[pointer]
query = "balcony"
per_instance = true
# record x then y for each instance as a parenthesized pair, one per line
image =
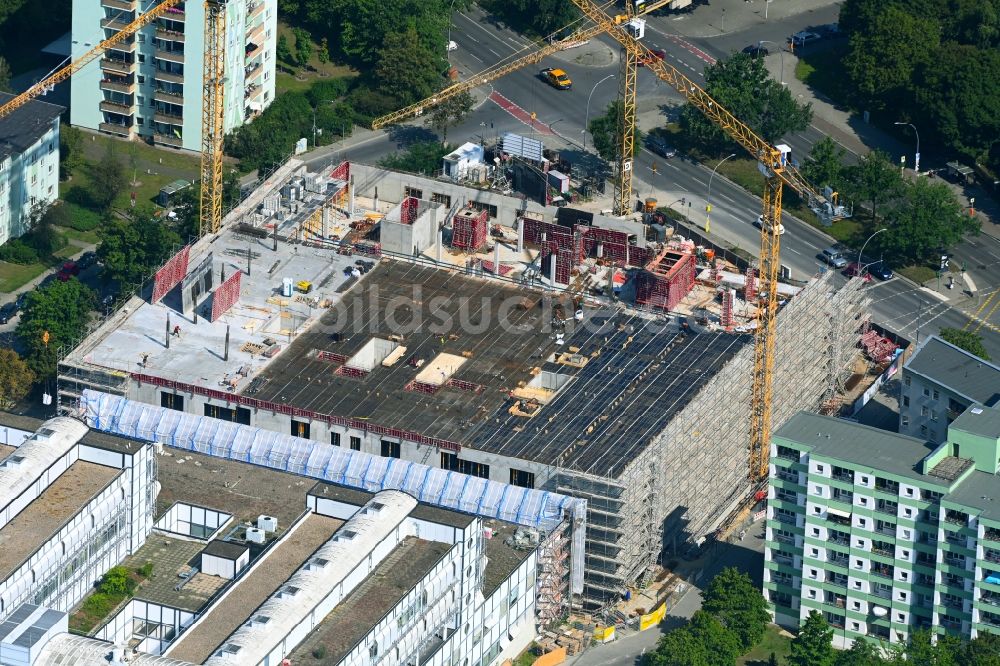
(117, 24)
(882, 593)
(884, 552)
(116, 66)
(784, 518)
(255, 35)
(839, 561)
(168, 77)
(990, 598)
(121, 5)
(252, 49)
(112, 128)
(116, 107)
(990, 619)
(174, 14)
(890, 508)
(170, 56)
(119, 85)
(255, 9)
(952, 603)
(956, 539)
(784, 559)
(785, 538)
(253, 90)
(168, 139)
(888, 530)
(846, 477)
(991, 556)
(127, 46)
(956, 518)
(168, 118)
(882, 571)
(786, 453)
(839, 540)
(168, 97)
(992, 534)
(169, 35)
(252, 72)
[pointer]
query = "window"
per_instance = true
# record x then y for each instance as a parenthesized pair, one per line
(934, 415)
(927, 392)
(923, 431)
(923, 411)
(492, 210)
(300, 429)
(373, 650)
(237, 415)
(937, 396)
(821, 469)
(452, 462)
(906, 401)
(141, 100)
(335, 438)
(142, 79)
(855, 626)
(905, 421)
(907, 380)
(390, 449)
(441, 199)
(355, 443)
(413, 192)
(172, 401)
(521, 478)
(140, 121)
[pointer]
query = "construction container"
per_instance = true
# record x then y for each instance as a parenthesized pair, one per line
(286, 287)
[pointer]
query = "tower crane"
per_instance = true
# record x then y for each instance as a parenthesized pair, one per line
(777, 171)
(627, 91)
(212, 106)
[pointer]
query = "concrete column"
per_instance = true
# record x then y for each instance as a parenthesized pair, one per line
(496, 258)
(440, 242)
(325, 222)
(520, 235)
(600, 250)
(552, 269)
(350, 198)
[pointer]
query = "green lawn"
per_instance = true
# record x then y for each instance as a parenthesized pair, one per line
(89, 237)
(300, 79)
(744, 172)
(14, 276)
(774, 641)
(822, 71)
(918, 274)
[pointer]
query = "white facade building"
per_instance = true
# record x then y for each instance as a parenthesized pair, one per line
(29, 164)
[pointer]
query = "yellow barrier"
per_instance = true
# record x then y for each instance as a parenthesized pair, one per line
(654, 618)
(557, 656)
(605, 635)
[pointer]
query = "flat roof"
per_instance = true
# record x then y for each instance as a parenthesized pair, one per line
(502, 558)
(422, 511)
(980, 490)
(957, 369)
(170, 557)
(197, 644)
(6, 451)
(979, 420)
(26, 125)
(859, 444)
(238, 488)
(225, 549)
(44, 516)
(642, 363)
(351, 620)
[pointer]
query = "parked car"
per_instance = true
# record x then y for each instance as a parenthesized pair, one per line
(556, 78)
(804, 37)
(657, 54)
(21, 301)
(658, 145)
(7, 312)
(854, 269)
(759, 223)
(829, 30)
(756, 50)
(86, 260)
(881, 271)
(833, 257)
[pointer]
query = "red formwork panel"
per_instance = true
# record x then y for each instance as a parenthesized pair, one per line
(533, 230)
(469, 229)
(408, 210)
(226, 295)
(638, 256)
(666, 280)
(171, 273)
(342, 172)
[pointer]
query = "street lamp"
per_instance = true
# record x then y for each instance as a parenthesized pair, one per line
(447, 47)
(916, 159)
(587, 121)
(781, 56)
(708, 199)
(862, 251)
(322, 101)
(553, 123)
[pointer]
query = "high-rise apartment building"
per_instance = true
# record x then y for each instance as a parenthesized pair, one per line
(150, 85)
(939, 382)
(29, 164)
(884, 533)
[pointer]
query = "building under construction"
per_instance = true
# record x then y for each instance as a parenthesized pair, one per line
(641, 413)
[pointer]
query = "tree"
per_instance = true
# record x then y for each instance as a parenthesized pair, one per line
(70, 150)
(925, 220)
(873, 181)
(537, 18)
(883, 57)
(814, 644)
(323, 53)
(983, 650)
(132, 249)
(739, 605)
(825, 164)
(702, 641)
(303, 46)
(450, 112)
(107, 179)
(282, 52)
(116, 581)
(862, 653)
(678, 648)
(16, 378)
(421, 157)
(406, 69)
(922, 650)
(4, 75)
(61, 310)
(967, 340)
(743, 86)
(607, 132)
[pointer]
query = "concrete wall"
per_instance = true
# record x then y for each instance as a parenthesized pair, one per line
(923, 407)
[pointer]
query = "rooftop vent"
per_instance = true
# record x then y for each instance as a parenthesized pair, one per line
(288, 591)
(977, 410)
(346, 535)
(231, 648)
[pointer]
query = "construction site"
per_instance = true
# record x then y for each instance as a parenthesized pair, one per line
(463, 329)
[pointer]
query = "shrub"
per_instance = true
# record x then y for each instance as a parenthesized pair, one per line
(117, 582)
(98, 604)
(319, 651)
(17, 251)
(329, 89)
(80, 218)
(146, 570)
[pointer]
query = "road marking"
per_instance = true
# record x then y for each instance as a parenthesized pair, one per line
(519, 113)
(792, 249)
(935, 294)
(700, 182)
(477, 24)
(493, 52)
(473, 38)
(477, 57)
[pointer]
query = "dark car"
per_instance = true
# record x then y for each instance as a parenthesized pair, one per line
(7, 312)
(86, 260)
(881, 271)
(22, 300)
(854, 269)
(658, 145)
(756, 51)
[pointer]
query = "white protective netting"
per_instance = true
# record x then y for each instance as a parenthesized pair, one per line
(538, 509)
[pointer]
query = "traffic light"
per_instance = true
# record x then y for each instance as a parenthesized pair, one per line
(944, 261)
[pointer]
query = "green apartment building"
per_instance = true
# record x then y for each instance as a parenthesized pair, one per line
(883, 533)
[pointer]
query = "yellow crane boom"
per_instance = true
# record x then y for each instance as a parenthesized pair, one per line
(776, 172)
(69, 70)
